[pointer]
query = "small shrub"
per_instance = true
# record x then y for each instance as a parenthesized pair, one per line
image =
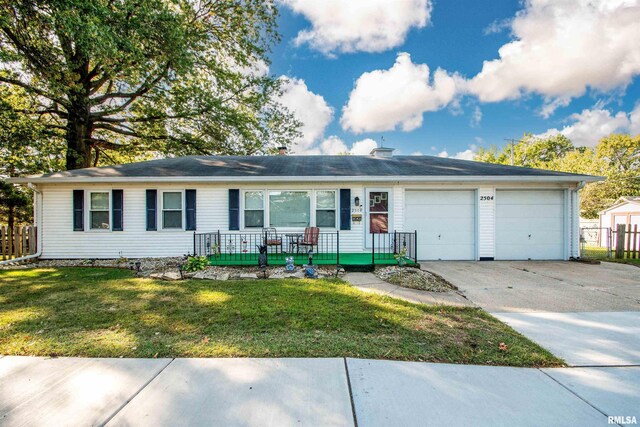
(401, 257)
(195, 263)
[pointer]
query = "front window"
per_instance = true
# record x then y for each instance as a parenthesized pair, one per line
(172, 209)
(378, 212)
(289, 209)
(99, 211)
(326, 208)
(254, 209)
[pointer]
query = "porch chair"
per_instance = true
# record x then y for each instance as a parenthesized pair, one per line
(309, 239)
(271, 238)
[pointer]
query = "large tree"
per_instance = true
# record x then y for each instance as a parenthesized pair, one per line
(616, 157)
(27, 146)
(167, 77)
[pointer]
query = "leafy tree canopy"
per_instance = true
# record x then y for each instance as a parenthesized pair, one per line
(616, 157)
(144, 78)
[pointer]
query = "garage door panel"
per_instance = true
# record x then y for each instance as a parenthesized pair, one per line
(446, 252)
(459, 212)
(447, 226)
(530, 224)
(541, 211)
(445, 221)
(443, 238)
(518, 251)
(523, 197)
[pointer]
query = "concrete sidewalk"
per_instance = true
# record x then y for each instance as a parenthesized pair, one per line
(369, 282)
(284, 392)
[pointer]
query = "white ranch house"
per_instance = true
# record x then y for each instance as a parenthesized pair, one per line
(459, 210)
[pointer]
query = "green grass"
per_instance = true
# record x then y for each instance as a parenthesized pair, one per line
(110, 313)
(599, 253)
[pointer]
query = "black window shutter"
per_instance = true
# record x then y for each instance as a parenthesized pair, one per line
(152, 206)
(190, 199)
(345, 209)
(78, 210)
(116, 210)
(234, 209)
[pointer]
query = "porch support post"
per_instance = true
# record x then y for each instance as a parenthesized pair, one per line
(373, 249)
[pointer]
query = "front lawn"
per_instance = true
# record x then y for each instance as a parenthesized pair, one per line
(601, 254)
(110, 313)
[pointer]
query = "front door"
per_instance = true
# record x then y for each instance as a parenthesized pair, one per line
(378, 213)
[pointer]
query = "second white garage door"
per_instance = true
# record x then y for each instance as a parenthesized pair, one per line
(445, 221)
(529, 224)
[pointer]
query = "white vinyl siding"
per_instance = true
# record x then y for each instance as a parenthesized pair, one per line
(486, 222)
(58, 240)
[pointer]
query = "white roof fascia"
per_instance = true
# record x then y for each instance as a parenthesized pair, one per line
(204, 179)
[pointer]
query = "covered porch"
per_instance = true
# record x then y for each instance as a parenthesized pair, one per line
(242, 248)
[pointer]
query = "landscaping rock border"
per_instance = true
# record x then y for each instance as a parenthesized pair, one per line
(169, 269)
(414, 278)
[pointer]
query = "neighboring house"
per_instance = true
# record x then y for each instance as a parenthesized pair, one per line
(626, 210)
(461, 210)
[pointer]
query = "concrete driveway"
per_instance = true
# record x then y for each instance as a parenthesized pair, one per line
(587, 314)
(543, 286)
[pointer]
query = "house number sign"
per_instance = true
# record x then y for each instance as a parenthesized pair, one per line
(486, 198)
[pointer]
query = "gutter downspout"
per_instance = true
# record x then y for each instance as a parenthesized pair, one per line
(579, 187)
(37, 218)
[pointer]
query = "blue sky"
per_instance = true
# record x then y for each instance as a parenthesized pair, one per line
(566, 66)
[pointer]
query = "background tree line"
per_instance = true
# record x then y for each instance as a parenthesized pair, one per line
(98, 82)
(616, 157)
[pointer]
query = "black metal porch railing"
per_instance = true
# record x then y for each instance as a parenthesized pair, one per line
(388, 246)
(241, 248)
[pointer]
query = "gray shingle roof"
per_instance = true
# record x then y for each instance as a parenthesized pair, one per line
(308, 166)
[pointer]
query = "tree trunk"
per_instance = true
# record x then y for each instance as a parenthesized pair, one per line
(11, 217)
(79, 131)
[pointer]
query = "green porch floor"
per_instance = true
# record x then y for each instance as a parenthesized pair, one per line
(349, 258)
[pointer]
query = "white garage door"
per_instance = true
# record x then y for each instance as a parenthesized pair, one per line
(445, 221)
(529, 224)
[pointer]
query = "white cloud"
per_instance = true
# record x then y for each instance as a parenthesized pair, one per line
(310, 109)
(476, 117)
(386, 99)
(589, 126)
(333, 145)
(561, 48)
(634, 120)
(467, 154)
(363, 147)
(358, 25)
(497, 26)
(417, 153)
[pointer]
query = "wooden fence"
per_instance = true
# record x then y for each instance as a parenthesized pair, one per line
(17, 241)
(627, 241)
